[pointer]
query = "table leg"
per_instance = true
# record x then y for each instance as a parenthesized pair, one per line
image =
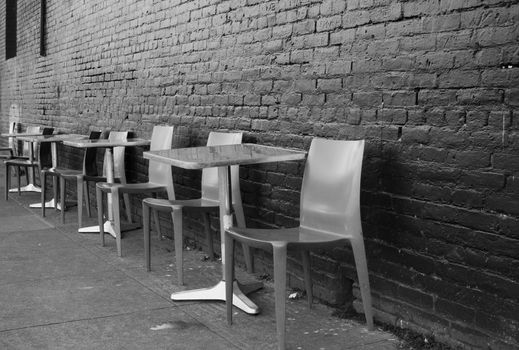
(48, 204)
(31, 187)
(51, 203)
(217, 292)
(108, 225)
(110, 180)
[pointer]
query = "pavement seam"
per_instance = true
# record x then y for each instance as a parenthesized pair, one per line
(82, 319)
(187, 313)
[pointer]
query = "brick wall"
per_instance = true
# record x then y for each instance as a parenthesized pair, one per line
(430, 84)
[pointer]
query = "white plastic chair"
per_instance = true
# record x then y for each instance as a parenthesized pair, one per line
(160, 180)
(207, 203)
(329, 216)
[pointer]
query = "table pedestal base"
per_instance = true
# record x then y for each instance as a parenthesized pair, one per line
(217, 292)
(27, 188)
(108, 227)
(49, 204)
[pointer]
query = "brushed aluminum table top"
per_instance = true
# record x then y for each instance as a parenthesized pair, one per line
(52, 138)
(105, 143)
(224, 155)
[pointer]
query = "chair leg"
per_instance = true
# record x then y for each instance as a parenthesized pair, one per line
(99, 199)
(43, 180)
(7, 182)
(79, 190)
(146, 229)
(33, 171)
(54, 189)
(229, 275)
(157, 223)
(280, 286)
(27, 175)
(19, 192)
(62, 188)
(86, 192)
(156, 219)
(127, 207)
(208, 236)
(179, 243)
(38, 172)
(359, 254)
(308, 277)
(117, 221)
(247, 251)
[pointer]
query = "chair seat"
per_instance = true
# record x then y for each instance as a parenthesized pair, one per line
(290, 236)
(95, 178)
(129, 188)
(21, 162)
(10, 157)
(7, 149)
(64, 171)
(202, 203)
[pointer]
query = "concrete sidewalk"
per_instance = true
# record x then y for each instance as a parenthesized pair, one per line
(60, 289)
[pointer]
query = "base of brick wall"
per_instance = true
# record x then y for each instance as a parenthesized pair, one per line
(452, 333)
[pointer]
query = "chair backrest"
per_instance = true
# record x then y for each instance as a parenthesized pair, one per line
(44, 151)
(13, 127)
(330, 194)
(26, 145)
(47, 131)
(90, 156)
(160, 173)
(210, 175)
(118, 155)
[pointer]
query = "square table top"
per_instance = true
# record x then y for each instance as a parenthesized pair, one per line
(105, 143)
(20, 134)
(224, 155)
(52, 138)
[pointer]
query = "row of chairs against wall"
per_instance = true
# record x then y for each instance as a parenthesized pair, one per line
(160, 180)
(330, 208)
